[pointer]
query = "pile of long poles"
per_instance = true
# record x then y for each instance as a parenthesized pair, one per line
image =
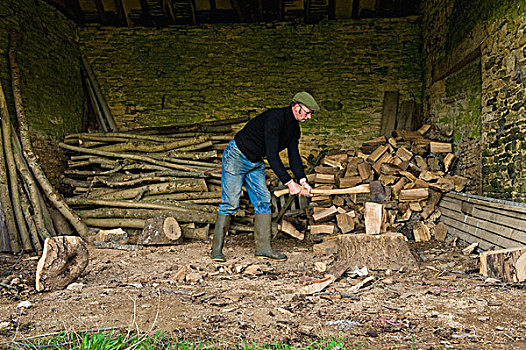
(27, 220)
(122, 179)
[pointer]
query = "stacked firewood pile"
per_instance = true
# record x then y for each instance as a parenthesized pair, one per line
(166, 177)
(397, 183)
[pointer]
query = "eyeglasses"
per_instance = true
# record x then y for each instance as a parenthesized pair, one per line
(306, 112)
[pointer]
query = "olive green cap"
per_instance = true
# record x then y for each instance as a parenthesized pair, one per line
(307, 100)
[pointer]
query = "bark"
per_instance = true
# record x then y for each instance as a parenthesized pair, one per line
(7, 205)
(181, 185)
(50, 192)
(183, 215)
(126, 156)
(31, 187)
(115, 223)
(63, 260)
(132, 204)
(145, 146)
(33, 230)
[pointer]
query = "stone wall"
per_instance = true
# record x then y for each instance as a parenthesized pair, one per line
(49, 66)
(186, 74)
(474, 86)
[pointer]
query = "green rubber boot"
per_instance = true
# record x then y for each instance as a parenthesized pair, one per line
(220, 230)
(262, 233)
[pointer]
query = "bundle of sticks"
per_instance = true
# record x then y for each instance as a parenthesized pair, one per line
(26, 218)
(123, 179)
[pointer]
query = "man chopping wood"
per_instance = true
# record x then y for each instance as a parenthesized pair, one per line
(264, 136)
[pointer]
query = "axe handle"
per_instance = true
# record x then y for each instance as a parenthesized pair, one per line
(315, 191)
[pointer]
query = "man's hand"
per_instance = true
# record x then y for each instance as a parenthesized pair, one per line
(294, 188)
(307, 190)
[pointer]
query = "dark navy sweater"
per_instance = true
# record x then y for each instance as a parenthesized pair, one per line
(269, 133)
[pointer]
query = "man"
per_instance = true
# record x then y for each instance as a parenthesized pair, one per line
(264, 136)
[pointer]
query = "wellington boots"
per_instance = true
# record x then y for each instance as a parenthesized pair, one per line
(262, 233)
(220, 230)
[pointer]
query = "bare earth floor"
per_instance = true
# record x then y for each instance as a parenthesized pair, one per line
(443, 304)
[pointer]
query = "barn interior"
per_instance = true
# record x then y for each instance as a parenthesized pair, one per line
(115, 114)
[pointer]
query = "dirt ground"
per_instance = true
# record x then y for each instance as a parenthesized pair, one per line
(444, 304)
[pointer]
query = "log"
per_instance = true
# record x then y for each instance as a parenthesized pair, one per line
(374, 215)
(128, 156)
(63, 260)
(13, 180)
(5, 198)
(146, 212)
(161, 230)
(440, 232)
(30, 156)
(377, 252)
(321, 229)
(144, 146)
(508, 265)
(180, 185)
(5, 242)
(364, 169)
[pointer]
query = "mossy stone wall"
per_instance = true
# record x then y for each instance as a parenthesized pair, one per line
(48, 57)
(186, 74)
(481, 95)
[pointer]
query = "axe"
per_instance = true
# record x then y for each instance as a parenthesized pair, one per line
(325, 192)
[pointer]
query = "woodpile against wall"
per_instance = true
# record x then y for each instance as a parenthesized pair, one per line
(406, 176)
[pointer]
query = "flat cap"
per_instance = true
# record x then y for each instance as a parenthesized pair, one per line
(307, 100)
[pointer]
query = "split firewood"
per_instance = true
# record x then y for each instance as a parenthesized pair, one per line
(63, 260)
(325, 213)
(414, 194)
(321, 229)
(289, 229)
(440, 147)
(375, 218)
(421, 232)
(332, 275)
(345, 221)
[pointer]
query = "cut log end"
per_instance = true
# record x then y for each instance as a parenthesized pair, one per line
(63, 260)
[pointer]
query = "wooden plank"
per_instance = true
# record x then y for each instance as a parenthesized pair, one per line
(504, 237)
(501, 220)
(490, 202)
(389, 112)
(407, 115)
(469, 238)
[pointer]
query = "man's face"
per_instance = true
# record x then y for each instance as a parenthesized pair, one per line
(302, 113)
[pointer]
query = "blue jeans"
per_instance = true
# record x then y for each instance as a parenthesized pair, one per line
(237, 171)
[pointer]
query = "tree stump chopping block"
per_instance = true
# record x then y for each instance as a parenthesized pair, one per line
(161, 230)
(377, 252)
(63, 260)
